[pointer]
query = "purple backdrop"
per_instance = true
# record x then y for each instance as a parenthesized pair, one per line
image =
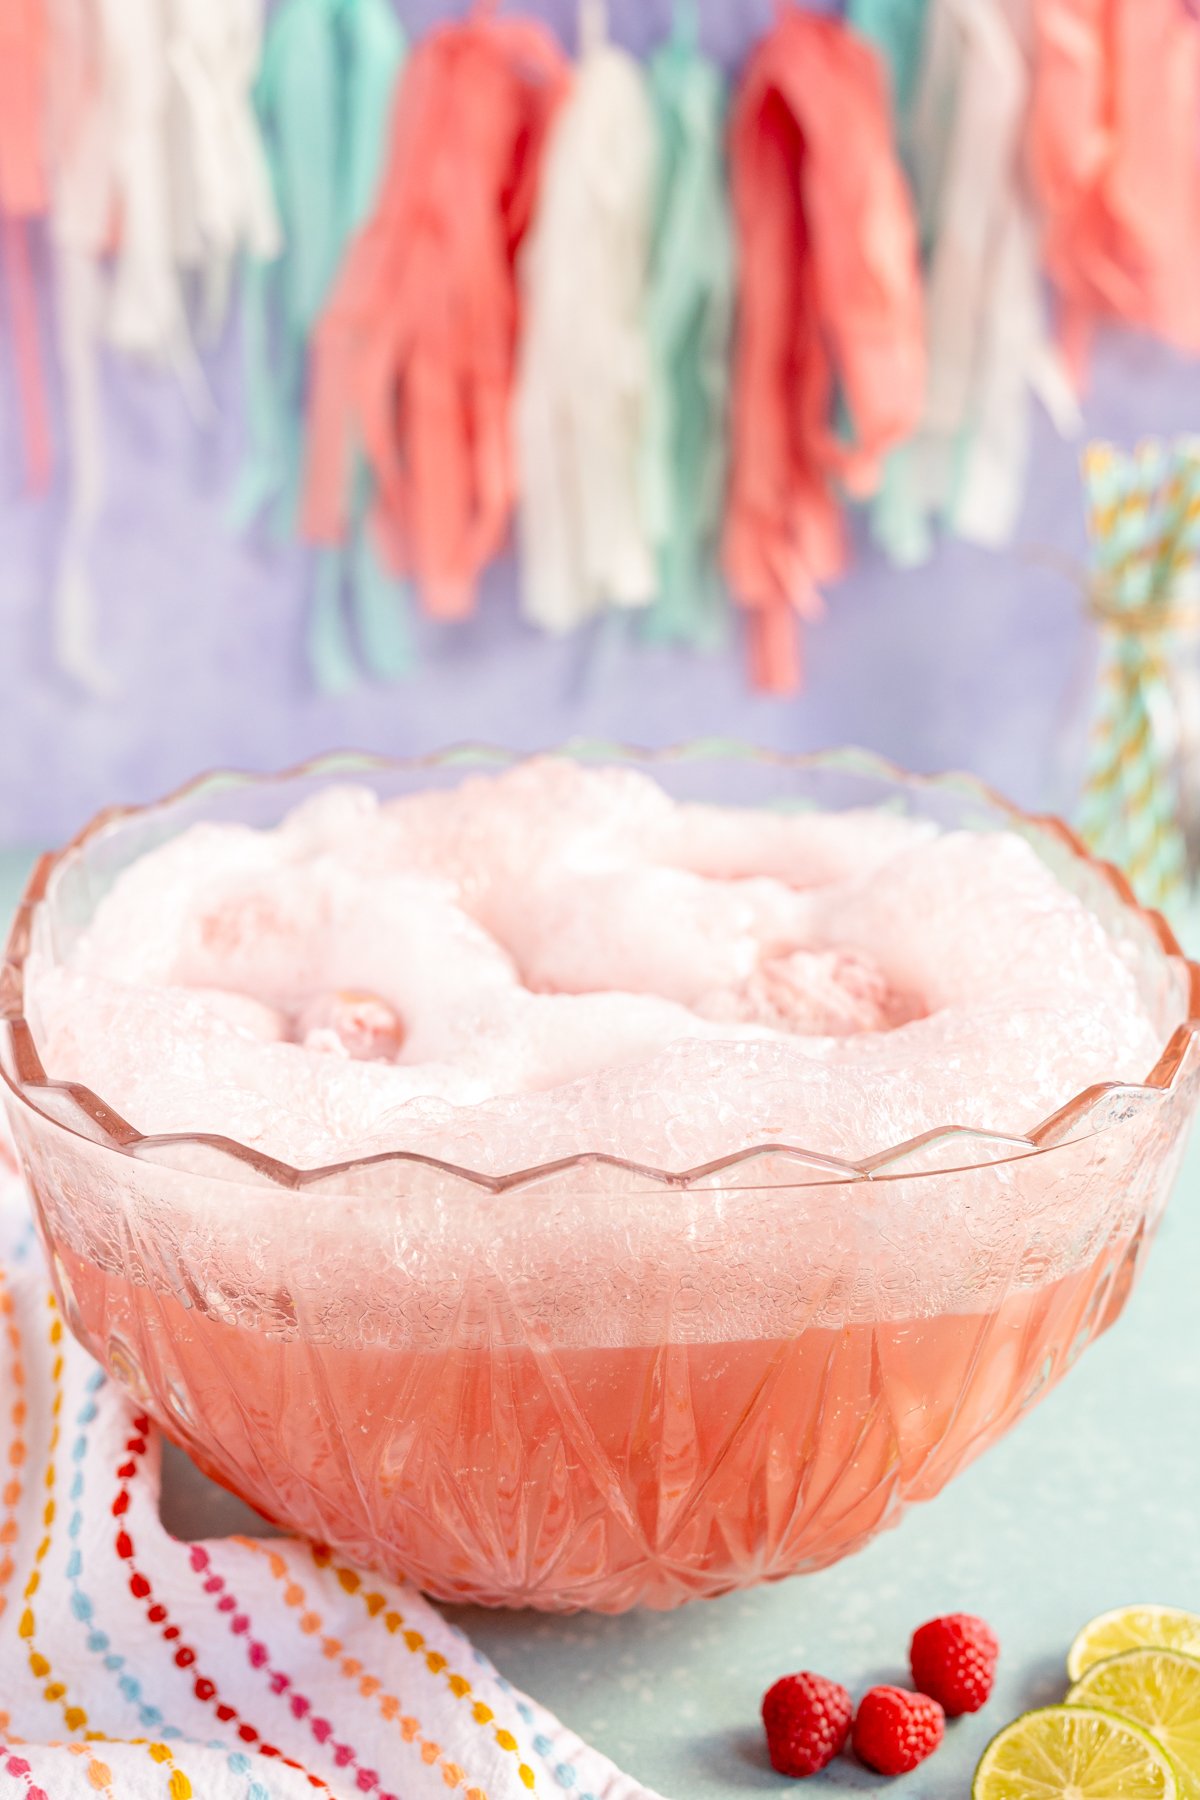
(978, 660)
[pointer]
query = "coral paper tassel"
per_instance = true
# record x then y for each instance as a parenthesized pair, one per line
(23, 196)
(30, 376)
(1113, 152)
(414, 354)
(829, 296)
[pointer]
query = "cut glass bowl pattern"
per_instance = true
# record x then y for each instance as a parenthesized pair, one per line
(596, 1384)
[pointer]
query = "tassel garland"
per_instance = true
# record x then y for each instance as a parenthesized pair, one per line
(671, 328)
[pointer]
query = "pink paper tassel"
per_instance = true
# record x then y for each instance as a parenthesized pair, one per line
(1113, 149)
(829, 302)
(23, 196)
(414, 354)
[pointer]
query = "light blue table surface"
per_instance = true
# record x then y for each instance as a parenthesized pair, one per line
(1093, 1501)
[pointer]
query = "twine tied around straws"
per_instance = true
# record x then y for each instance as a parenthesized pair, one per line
(1147, 621)
(1144, 526)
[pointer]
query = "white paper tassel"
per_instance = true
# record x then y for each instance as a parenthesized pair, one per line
(74, 614)
(146, 313)
(153, 130)
(188, 168)
(988, 338)
(581, 392)
(86, 108)
(221, 189)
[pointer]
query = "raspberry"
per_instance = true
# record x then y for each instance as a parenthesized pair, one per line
(896, 1730)
(807, 1720)
(954, 1661)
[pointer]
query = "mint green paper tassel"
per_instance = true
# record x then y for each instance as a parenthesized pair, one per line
(988, 341)
(690, 311)
(324, 97)
(897, 29)
(381, 613)
(899, 522)
(379, 606)
(329, 653)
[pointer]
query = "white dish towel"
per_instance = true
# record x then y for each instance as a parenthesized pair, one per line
(138, 1667)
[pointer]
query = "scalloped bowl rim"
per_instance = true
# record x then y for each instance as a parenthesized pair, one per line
(125, 1139)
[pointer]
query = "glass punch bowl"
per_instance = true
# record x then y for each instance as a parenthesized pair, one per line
(592, 1384)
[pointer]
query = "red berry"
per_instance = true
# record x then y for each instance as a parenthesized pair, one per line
(807, 1720)
(896, 1730)
(954, 1661)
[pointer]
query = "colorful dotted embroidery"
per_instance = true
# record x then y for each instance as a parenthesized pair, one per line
(204, 1688)
(393, 1621)
(564, 1773)
(17, 1451)
(368, 1685)
(18, 1767)
(54, 1691)
(84, 1609)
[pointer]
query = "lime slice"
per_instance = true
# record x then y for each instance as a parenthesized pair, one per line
(1160, 1689)
(1163, 1627)
(1074, 1753)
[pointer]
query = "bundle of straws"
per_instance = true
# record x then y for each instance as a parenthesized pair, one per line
(1144, 590)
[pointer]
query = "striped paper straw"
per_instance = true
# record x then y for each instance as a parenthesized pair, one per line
(1143, 514)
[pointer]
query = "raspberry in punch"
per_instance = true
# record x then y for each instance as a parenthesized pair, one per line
(591, 1186)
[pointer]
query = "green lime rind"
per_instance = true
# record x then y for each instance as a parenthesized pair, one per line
(1088, 1752)
(1133, 1628)
(1158, 1688)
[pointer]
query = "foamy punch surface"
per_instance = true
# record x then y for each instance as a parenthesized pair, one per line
(560, 959)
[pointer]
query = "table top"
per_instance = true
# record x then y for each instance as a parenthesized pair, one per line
(1089, 1503)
